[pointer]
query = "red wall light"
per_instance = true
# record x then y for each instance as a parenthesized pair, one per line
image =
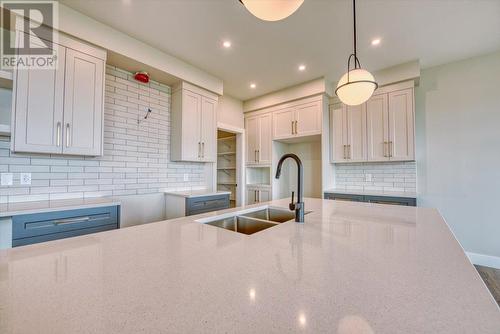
(141, 77)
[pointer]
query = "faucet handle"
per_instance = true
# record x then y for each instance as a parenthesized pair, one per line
(292, 204)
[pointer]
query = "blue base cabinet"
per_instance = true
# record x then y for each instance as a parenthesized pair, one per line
(34, 228)
(406, 201)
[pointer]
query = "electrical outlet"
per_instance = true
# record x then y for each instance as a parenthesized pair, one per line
(7, 179)
(186, 177)
(368, 177)
(25, 179)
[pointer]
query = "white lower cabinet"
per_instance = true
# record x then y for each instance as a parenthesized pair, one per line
(194, 124)
(60, 111)
(382, 129)
(258, 195)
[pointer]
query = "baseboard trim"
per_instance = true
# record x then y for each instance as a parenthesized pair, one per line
(484, 260)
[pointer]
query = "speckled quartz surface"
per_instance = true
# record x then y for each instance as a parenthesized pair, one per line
(351, 268)
(12, 209)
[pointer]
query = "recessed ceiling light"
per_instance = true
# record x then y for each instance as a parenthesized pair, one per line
(376, 41)
(226, 44)
(302, 67)
(253, 86)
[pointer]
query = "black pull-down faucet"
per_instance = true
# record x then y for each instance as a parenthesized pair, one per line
(299, 206)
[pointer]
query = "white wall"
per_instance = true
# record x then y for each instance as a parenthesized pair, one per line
(230, 111)
(458, 148)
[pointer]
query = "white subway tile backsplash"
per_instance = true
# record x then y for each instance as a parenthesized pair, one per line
(385, 176)
(136, 156)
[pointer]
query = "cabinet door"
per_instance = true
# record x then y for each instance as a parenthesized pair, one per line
(191, 139)
(283, 123)
(252, 196)
(264, 196)
(38, 108)
(377, 128)
(338, 134)
(308, 119)
(356, 132)
(253, 139)
(264, 155)
(208, 130)
(401, 125)
(83, 104)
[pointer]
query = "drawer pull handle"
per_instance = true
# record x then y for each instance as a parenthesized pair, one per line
(71, 221)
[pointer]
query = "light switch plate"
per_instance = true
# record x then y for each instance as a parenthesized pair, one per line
(25, 178)
(7, 179)
(368, 178)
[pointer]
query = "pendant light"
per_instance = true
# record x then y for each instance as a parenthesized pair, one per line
(357, 85)
(272, 10)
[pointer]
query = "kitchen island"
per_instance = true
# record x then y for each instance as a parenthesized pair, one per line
(350, 268)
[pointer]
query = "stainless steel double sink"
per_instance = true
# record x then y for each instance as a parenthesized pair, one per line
(250, 222)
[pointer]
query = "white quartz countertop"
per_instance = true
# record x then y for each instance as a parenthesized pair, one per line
(196, 193)
(350, 268)
(404, 194)
(13, 209)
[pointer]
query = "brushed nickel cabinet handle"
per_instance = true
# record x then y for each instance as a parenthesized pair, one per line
(391, 148)
(345, 155)
(199, 150)
(296, 131)
(203, 149)
(71, 221)
(348, 151)
(67, 135)
(58, 134)
(292, 129)
(258, 155)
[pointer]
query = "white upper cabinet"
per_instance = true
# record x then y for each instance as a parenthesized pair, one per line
(259, 139)
(208, 126)
(38, 106)
(83, 104)
(382, 129)
(60, 111)
(194, 124)
(308, 119)
(348, 124)
(401, 125)
(284, 123)
(297, 120)
(377, 128)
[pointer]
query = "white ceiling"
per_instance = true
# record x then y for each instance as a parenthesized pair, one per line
(319, 35)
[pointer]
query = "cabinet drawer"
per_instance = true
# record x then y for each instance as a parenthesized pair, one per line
(204, 204)
(391, 200)
(61, 235)
(62, 222)
(345, 197)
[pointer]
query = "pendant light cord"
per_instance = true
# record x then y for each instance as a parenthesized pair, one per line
(354, 15)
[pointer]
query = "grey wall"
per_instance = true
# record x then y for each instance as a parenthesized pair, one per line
(458, 148)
